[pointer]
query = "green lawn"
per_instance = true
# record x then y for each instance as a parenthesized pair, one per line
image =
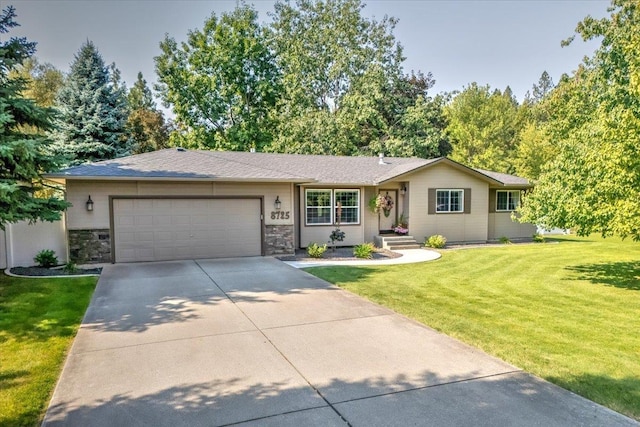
(568, 312)
(38, 320)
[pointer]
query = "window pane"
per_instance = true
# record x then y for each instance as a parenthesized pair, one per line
(350, 202)
(456, 201)
(318, 215)
(501, 197)
(514, 200)
(318, 209)
(442, 201)
(318, 197)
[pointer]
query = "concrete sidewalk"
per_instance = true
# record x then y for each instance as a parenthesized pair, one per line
(409, 256)
(255, 342)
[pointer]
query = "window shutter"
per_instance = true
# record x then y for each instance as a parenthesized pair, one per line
(431, 203)
(492, 201)
(467, 200)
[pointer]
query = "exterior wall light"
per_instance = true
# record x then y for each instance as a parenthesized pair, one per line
(278, 203)
(89, 204)
(403, 190)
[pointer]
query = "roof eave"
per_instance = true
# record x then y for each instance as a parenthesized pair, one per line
(63, 178)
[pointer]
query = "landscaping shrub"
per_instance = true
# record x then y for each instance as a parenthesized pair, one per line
(538, 238)
(314, 250)
(364, 251)
(46, 258)
(505, 240)
(70, 267)
(436, 241)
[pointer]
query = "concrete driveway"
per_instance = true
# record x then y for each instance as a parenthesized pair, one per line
(253, 342)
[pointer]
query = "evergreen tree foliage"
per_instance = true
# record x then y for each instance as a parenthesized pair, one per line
(93, 111)
(140, 96)
(22, 157)
(146, 126)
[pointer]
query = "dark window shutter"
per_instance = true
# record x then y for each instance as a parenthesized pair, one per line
(492, 201)
(431, 203)
(467, 200)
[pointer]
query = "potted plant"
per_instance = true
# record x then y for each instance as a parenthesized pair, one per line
(402, 226)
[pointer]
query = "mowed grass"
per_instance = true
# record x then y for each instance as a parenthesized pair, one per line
(567, 311)
(38, 321)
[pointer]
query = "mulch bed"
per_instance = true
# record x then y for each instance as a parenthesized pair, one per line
(41, 271)
(340, 254)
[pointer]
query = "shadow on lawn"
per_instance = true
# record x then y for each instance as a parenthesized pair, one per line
(625, 275)
(620, 394)
(341, 274)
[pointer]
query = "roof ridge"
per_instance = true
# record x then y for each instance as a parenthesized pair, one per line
(212, 153)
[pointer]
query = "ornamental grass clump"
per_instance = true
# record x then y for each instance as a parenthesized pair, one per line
(364, 251)
(436, 241)
(314, 250)
(46, 258)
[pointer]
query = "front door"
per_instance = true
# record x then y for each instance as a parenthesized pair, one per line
(388, 217)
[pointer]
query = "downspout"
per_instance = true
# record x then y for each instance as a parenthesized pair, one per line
(6, 248)
(8, 243)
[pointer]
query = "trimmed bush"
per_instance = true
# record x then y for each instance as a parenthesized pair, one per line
(70, 267)
(364, 251)
(538, 238)
(436, 241)
(505, 240)
(314, 250)
(46, 258)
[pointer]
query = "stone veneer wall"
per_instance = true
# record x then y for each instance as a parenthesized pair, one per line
(90, 246)
(279, 240)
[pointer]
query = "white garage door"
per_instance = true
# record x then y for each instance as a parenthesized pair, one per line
(169, 229)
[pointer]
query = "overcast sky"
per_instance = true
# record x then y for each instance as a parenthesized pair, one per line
(498, 43)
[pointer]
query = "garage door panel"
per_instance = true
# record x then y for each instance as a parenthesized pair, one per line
(166, 229)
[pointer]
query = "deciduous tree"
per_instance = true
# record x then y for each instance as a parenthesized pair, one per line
(222, 82)
(594, 183)
(43, 81)
(483, 128)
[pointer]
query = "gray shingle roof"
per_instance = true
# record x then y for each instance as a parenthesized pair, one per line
(244, 166)
(504, 178)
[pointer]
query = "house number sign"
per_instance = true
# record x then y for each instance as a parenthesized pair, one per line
(279, 214)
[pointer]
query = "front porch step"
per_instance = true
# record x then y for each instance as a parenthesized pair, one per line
(394, 242)
(402, 246)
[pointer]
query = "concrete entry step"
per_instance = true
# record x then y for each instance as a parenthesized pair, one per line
(394, 242)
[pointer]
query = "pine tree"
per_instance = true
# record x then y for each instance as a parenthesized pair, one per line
(22, 157)
(146, 124)
(140, 96)
(93, 111)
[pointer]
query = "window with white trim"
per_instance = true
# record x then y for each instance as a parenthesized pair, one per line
(321, 206)
(318, 207)
(507, 200)
(350, 202)
(449, 201)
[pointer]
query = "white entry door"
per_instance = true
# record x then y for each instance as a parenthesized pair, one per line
(388, 217)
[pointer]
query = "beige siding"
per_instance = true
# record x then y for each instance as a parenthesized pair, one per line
(501, 225)
(79, 191)
(454, 226)
(369, 219)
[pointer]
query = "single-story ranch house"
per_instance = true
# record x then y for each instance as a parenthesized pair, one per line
(182, 204)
